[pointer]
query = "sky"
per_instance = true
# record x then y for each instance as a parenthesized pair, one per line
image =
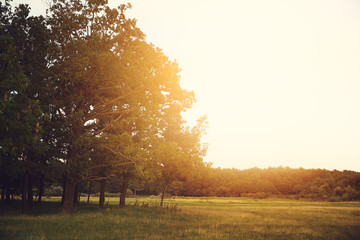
(279, 80)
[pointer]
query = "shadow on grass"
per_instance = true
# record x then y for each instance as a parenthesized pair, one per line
(43, 208)
(13, 208)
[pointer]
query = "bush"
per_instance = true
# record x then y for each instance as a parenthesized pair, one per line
(129, 193)
(338, 191)
(258, 195)
(54, 191)
(313, 196)
(350, 194)
(335, 199)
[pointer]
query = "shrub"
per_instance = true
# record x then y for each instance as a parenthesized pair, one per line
(335, 199)
(54, 191)
(338, 191)
(350, 194)
(258, 195)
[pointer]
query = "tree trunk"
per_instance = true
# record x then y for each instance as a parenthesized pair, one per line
(64, 189)
(124, 187)
(68, 206)
(89, 192)
(163, 195)
(8, 193)
(30, 198)
(25, 184)
(41, 187)
(3, 192)
(76, 192)
(102, 194)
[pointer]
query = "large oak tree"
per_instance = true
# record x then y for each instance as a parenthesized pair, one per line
(106, 75)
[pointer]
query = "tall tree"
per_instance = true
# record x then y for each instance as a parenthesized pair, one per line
(178, 152)
(106, 75)
(23, 63)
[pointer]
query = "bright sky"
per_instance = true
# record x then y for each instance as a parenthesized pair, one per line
(279, 80)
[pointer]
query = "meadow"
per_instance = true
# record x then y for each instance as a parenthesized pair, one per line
(185, 218)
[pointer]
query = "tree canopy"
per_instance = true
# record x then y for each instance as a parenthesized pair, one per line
(84, 82)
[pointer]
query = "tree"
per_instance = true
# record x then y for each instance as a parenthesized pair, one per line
(20, 111)
(106, 75)
(178, 152)
(86, 95)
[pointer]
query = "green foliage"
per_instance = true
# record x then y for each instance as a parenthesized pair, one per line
(54, 190)
(83, 96)
(315, 184)
(23, 52)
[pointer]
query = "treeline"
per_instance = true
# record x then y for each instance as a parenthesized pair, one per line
(85, 99)
(312, 184)
(316, 184)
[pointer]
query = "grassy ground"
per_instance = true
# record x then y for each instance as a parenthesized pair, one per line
(192, 218)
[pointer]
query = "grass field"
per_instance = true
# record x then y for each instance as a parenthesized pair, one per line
(185, 218)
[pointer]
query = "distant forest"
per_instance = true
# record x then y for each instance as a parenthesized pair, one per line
(280, 182)
(87, 105)
(316, 184)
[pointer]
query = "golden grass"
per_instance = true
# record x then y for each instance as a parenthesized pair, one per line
(194, 218)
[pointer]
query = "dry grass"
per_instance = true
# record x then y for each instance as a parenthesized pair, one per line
(193, 218)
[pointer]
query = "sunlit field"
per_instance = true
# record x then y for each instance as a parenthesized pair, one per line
(250, 101)
(185, 218)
